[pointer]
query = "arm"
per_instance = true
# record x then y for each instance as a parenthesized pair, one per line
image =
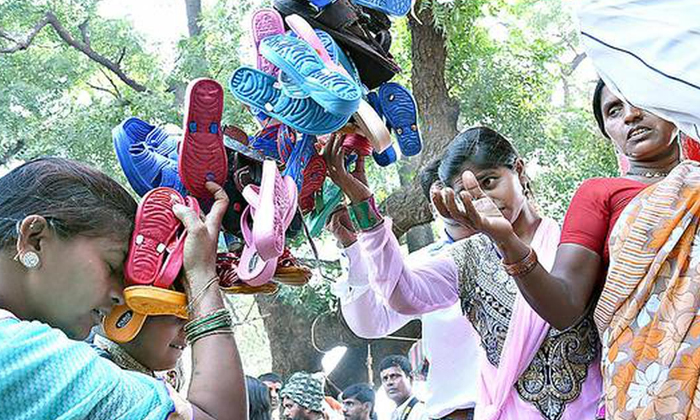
(367, 315)
(430, 285)
(560, 297)
(217, 389)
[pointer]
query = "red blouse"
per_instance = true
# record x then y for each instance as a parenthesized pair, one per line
(593, 211)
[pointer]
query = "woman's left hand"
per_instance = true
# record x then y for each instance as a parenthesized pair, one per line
(353, 185)
(473, 209)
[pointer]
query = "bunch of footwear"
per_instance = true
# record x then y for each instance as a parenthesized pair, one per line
(323, 68)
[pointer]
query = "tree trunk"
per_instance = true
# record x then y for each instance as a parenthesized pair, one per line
(292, 349)
(438, 115)
(422, 235)
(194, 10)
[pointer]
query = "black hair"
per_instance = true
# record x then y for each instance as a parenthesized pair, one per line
(270, 377)
(481, 148)
(362, 393)
(259, 406)
(74, 198)
(597, 106)
(396, 361)
(429, 176)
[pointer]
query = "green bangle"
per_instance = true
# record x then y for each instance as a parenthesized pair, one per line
(364, 215)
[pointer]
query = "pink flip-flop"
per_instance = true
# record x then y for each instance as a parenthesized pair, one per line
(274, 211)
(202, 153)
(253, 268)
(266, 22)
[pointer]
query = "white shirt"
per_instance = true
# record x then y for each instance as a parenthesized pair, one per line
(449, 341)
(418, 411)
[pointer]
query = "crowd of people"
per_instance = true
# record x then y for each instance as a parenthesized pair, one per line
(522, 318)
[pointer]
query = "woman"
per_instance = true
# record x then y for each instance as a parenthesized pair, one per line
(259, 407)
(529, 371)
(65, 233)
(628, 247)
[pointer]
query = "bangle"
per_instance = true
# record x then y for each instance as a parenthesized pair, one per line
(201, 292)
(522, 267)
(218, 322)
(365, 215)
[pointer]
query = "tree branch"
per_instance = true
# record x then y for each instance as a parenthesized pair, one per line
(84, 47)
(23, 45)
(111, 82)
(84, 32)
(101, 89)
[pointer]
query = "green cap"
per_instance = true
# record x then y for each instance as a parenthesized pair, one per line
(306, 390)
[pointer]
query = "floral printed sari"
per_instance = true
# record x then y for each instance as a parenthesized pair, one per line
(648, 313)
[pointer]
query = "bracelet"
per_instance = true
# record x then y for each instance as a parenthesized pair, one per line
(522, 267)
(217, 321)
(365, 215)
(221, 331)
(199, 294)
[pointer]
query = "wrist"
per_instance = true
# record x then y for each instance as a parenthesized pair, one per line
(365, 215)
(347, 242)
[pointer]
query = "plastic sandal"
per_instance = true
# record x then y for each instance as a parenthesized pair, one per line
(266, 141)
(342, 20)
(277, 200)
(123, 324)
(326, 203)
(386, 157)
(314, 176)
(202, 153)
(334, 91)
(258, 90)
(303, 151)
(226, 269)
(358, 144)
(265, 22)
(390, 7)
(156, 301)
(286, 140)
(289, 271)
(145, 154)
(401, 113)
(372, 127)
(252, 269)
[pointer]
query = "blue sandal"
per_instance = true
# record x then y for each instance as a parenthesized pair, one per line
(401, 113)
(258, 90)
(335, 92)
(147, 155)
(385, 158)
(390, 7)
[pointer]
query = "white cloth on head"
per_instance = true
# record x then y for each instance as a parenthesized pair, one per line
(647, 52)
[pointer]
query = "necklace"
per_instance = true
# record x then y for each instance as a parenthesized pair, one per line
(647, 174)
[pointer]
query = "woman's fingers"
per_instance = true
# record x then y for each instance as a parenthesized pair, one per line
(472, 185)
(187, 216)
(218, 209)
(439, 203)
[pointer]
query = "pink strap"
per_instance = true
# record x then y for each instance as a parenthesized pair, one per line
(304, 31)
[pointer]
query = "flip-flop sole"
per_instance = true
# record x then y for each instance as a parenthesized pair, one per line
(372, 127)
(335, 92)
(289, 86)
(277, 201)
(314, 176)
(257, 89)
(385, 158)
(123, 324)
(401, 113)
(155, 301)
(202, 153)
(390, 7)
(155, 227)
(265, 22)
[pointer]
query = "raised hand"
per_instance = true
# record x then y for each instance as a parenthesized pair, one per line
(340, 225)
(353, 185)
(472, 209)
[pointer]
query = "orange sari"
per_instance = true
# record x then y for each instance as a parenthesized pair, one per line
(648, 313)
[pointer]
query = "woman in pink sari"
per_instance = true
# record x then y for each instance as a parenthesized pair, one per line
(529, 370)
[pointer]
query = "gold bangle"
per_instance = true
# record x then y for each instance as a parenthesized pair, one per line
(522, 267)
(201, 292)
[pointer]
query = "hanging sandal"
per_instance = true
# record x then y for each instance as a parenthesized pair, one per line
(276, 201)
(290, 272)
(401, 113)
(202, 153)
(226, 269)
(259, 90)
(337, 93)
(265, 22)
(390, 7)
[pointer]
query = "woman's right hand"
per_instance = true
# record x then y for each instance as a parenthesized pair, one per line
(352, 184)
(199, 260)
(475, 210)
